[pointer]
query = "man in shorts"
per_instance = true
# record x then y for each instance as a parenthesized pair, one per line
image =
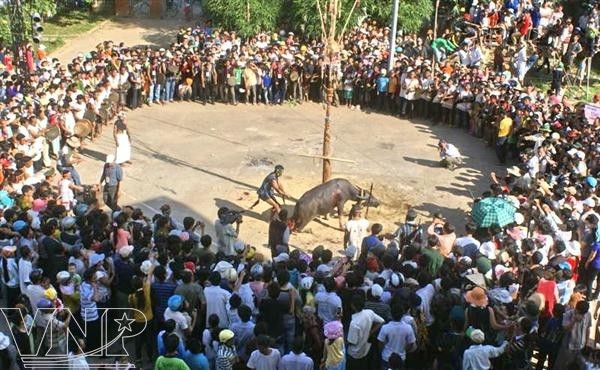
(267, 190)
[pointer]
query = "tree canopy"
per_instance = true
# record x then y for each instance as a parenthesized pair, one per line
(250, 16)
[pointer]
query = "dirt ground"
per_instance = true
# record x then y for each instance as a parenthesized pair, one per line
(198, 158)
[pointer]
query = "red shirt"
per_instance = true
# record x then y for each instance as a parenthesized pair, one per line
(525, 25)
(547, 289)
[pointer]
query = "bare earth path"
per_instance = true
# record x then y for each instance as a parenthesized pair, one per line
(131, 31)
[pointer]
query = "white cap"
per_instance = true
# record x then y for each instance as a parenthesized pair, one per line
(282, 257)
(519, 218)
(589, 202)
(376, 290)
(477, 336)
(110, 158)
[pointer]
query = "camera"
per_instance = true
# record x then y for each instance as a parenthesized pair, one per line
(228, 216)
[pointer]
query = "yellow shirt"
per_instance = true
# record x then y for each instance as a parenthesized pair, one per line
(334, 351)
(504, 126)
(147, 309)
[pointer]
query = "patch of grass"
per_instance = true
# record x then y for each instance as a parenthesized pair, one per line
(62, 27)
(570, 85)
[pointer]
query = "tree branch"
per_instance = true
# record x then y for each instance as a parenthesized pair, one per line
(341, 36)
(322, 19)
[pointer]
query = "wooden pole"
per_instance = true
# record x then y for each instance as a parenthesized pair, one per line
(329, 158)
(435, 27)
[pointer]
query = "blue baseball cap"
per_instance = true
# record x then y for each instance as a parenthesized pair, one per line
(19, 225)
(591, 181)
(175, 302)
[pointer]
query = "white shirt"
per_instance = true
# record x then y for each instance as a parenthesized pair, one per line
(183, 321)
(216, 302)
(396, 336)
(13, 272)
(359, 331)
(259, 361)
(477, 357)
(77, 362)
(357, 230)
(292, 361)
(426, 293)
(328, 305)
(25, 268)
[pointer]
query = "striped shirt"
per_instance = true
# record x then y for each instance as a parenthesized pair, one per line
(89, 309)
(160, 293)
(225, 357)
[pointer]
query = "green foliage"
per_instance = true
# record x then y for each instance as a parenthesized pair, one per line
(304, 16)
(412, 14)
(246, 17)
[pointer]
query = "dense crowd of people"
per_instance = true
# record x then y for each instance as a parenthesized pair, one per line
(427, 295)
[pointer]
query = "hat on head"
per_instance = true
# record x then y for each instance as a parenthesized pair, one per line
(411, 282)
(333, 330)
(8, 250)
(62, 276)
(477, 336)
(307, 282)
(50, 293)
(226, 335)
(45, 303)
(239, 246)
(466, 260)
(282, 257)
(376, 290)
(514, 171)
(589, 202)
(350, 251)
(95, 258)
(146, 266)
(68, 222)
(591, 181)
(477, 297)
(125, 251)
(19, 225)
(110, 158)
(175, 302)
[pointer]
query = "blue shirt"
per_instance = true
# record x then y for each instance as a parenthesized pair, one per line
(196, 361)
(244, 332)
(89, 309)
(596, 261)
(160, 346)
(382, 84)
(113, 174)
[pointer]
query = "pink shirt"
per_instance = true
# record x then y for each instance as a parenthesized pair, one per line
(122, 239)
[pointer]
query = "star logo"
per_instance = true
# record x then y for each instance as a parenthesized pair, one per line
(124, 323)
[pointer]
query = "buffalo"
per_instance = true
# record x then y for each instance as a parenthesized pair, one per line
(323, 198)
